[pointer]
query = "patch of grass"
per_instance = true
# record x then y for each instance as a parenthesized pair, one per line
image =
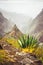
(39, 52)
(12, 41)
(4, 57)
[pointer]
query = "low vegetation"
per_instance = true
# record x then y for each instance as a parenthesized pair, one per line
(4, 56)
(13, 42)
(28, 43)
(25, 43)
(39, 52)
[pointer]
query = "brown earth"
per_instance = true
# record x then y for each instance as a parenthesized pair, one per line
(18, 57)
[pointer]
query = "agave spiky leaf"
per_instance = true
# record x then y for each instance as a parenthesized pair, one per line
(26, 41)
(30, 40)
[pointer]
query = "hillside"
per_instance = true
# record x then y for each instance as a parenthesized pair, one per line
(6, 27)
(37, 25)
(21, 20)
(3, 24)
(16, 47)
(16, 33)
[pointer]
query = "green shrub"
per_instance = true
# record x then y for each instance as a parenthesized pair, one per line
(27, 42)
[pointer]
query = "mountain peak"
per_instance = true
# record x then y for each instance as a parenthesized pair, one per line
(15, 32)
(15, 27)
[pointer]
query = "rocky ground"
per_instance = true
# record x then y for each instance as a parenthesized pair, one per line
(17, 57)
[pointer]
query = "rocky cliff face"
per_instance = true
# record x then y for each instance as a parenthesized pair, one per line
(3, 24)
(37, 25)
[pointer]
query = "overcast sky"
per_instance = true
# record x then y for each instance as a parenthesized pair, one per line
(27, 7)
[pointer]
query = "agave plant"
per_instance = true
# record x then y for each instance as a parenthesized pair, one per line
(33, 43)
(28, 42)
(23, 41)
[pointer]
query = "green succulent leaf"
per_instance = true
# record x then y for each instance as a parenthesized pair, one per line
(26, 41)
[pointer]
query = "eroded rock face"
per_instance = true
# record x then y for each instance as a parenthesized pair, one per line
(3, 24)
(37, 26)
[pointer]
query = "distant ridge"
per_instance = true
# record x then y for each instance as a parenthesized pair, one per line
(4, 26)
(21, 20)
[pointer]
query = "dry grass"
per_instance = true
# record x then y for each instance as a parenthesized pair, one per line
(4, 57)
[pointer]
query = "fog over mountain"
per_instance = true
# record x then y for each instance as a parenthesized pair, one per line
(22, 21)
(37, 24)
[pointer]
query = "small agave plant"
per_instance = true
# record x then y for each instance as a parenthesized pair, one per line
(28, 44)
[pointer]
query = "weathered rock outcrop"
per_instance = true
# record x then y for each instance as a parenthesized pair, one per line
(4, 25)
(16, 33)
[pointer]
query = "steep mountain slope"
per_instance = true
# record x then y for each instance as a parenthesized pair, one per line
(37, 25)
(6, 27)
(3, 24)
(22, 21)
